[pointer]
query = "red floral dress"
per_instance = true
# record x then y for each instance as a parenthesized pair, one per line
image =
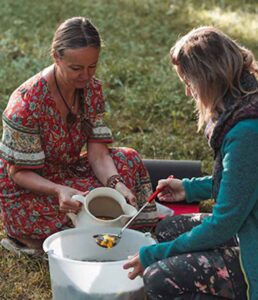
(36, 137)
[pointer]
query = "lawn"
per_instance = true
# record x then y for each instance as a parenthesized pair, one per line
(146, 106)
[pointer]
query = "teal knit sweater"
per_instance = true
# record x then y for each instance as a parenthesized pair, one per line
(235, 211)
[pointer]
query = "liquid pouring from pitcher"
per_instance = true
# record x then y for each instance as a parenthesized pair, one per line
(110, 240)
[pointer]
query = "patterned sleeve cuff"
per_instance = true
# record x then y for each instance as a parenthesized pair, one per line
(101, 133)
(21, 146)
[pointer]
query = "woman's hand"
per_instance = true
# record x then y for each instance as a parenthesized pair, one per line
(66, 204)
(134, 263)
(172, 190)
(129, 196)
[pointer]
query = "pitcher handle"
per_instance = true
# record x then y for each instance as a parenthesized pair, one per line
(79, 198)
(73, 216)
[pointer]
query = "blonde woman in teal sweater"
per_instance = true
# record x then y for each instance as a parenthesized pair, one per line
(214, 256)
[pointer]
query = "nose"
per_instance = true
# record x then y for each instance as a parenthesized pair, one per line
(85, 75)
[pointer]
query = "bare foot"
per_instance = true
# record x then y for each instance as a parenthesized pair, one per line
(31, 243)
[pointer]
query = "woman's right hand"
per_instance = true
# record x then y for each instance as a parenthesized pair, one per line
(127, 193)
(172, 190)
(137, 268)
(66, 204)
(35, 183)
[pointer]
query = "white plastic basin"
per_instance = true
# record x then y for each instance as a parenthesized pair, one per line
(80, 269)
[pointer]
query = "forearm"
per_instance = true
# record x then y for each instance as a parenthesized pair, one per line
(200, 238)
(197, 189)
(34, 182)
(236, 198)
(103, 167)
(101, 162)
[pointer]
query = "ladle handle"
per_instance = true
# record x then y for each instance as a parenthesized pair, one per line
(154, 195)
(151, 198)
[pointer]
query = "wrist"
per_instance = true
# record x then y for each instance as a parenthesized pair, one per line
(56, 189)
(114, 180)
(119, 185)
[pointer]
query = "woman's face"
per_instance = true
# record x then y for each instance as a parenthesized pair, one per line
(77, 66)
(188, 89)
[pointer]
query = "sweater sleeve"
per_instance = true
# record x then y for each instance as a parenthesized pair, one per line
(236, 198)
(197, 189)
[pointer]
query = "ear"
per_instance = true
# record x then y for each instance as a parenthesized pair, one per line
(56, 58)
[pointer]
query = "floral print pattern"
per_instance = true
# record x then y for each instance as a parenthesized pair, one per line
(216, 272)
(36, 137)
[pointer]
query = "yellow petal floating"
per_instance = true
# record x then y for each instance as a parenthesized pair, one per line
(107, 241)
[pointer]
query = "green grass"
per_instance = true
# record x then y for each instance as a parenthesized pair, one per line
(146, 106)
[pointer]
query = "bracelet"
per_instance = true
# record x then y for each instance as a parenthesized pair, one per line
(113, 180)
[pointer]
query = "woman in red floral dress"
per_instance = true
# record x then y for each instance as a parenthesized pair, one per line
(47, 122)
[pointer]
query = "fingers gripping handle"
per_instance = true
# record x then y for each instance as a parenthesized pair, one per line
(73, 216)
(154, 195)
(79, 198)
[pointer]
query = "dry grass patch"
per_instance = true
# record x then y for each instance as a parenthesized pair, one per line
(22, 277)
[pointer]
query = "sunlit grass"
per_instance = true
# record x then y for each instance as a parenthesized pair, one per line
(239, 23)
(146, 106)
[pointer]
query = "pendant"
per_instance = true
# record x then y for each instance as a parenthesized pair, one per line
(70, 118)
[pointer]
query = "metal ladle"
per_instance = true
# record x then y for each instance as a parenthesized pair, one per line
(110, 240)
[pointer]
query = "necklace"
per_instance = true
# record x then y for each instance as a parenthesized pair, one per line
(71, 117)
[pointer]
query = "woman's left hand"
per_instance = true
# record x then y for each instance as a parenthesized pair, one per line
(134, 263)
(123, 189)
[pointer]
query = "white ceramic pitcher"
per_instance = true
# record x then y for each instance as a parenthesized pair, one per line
(102, 206)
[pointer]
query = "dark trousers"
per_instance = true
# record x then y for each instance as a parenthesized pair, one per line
(212, 274)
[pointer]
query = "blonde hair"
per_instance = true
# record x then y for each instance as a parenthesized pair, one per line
(212, 63)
